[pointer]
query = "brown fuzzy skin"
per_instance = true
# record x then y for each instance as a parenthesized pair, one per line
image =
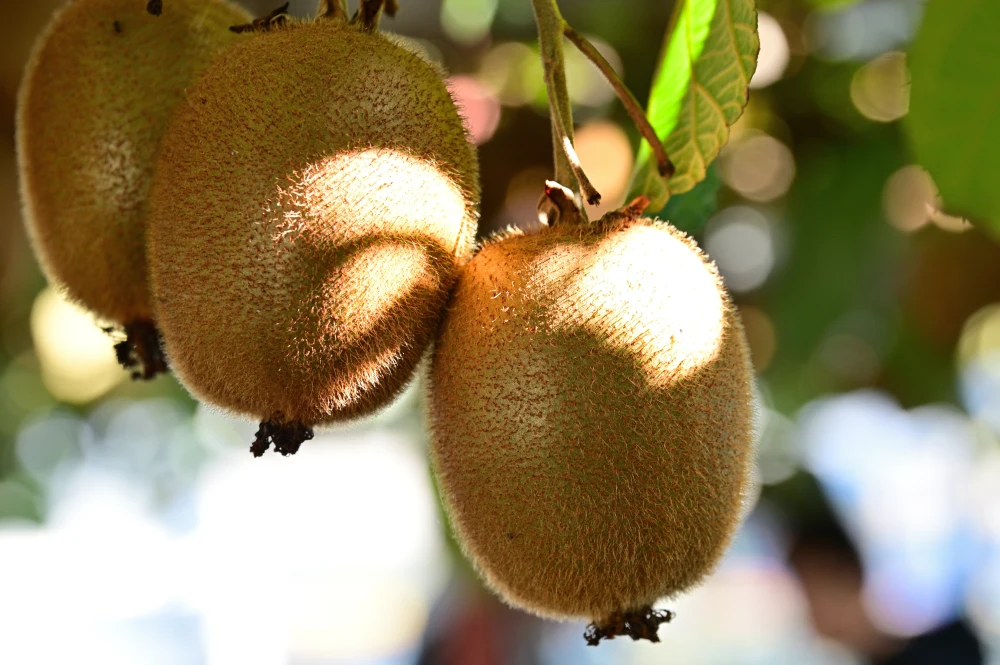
(591, 416)
(97, 94)
(315, 199)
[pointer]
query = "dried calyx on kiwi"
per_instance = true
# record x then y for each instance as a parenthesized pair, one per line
(101, 85)
(314, 200)
(139, 349)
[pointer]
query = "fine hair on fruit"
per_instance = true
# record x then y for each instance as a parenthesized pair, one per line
(315, 198)
(591, 416)
(101, 85)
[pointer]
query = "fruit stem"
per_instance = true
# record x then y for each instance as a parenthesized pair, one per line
(568, 170)
(631, 104)
(332, 9)
(370, 13)
(154, 7)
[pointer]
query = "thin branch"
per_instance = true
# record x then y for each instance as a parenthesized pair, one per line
(589, 191)
(666, 167)
(550, 34)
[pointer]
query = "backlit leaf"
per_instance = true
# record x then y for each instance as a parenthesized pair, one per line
(699, 91)
(954, 105)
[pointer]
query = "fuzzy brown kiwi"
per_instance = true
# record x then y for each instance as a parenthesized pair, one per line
(315, 197)
(591, 419)
(98, 91)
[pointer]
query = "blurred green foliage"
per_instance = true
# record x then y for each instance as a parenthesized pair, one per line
(689, 211)
(831, 4)
(955, 103)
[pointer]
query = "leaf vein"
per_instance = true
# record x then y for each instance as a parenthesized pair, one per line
(731, 20)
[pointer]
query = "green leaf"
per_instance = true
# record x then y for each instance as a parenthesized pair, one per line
(689, 211)
(955, 104)
(699, 91)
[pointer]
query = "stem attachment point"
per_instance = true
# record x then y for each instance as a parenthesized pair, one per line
(558, 205)
(370, 13)
(275, 19)
(335, 10)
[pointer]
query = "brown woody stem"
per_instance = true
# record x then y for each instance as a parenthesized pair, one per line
(632, 106)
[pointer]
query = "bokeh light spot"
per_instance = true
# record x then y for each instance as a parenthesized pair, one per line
(77, 358)
(907, 198)
(774, 52)
(739, 241)
(49, 443)
(863, 30)
(980, 335)
(910, 200)
(880, 89)
(512, 71)
(479, 107)
(467, 21)
(759, 167)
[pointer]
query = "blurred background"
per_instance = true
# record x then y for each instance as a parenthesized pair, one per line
(135, 528)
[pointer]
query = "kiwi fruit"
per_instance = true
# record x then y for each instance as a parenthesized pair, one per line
(591, 417)
(103, 80)
(315, 198)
